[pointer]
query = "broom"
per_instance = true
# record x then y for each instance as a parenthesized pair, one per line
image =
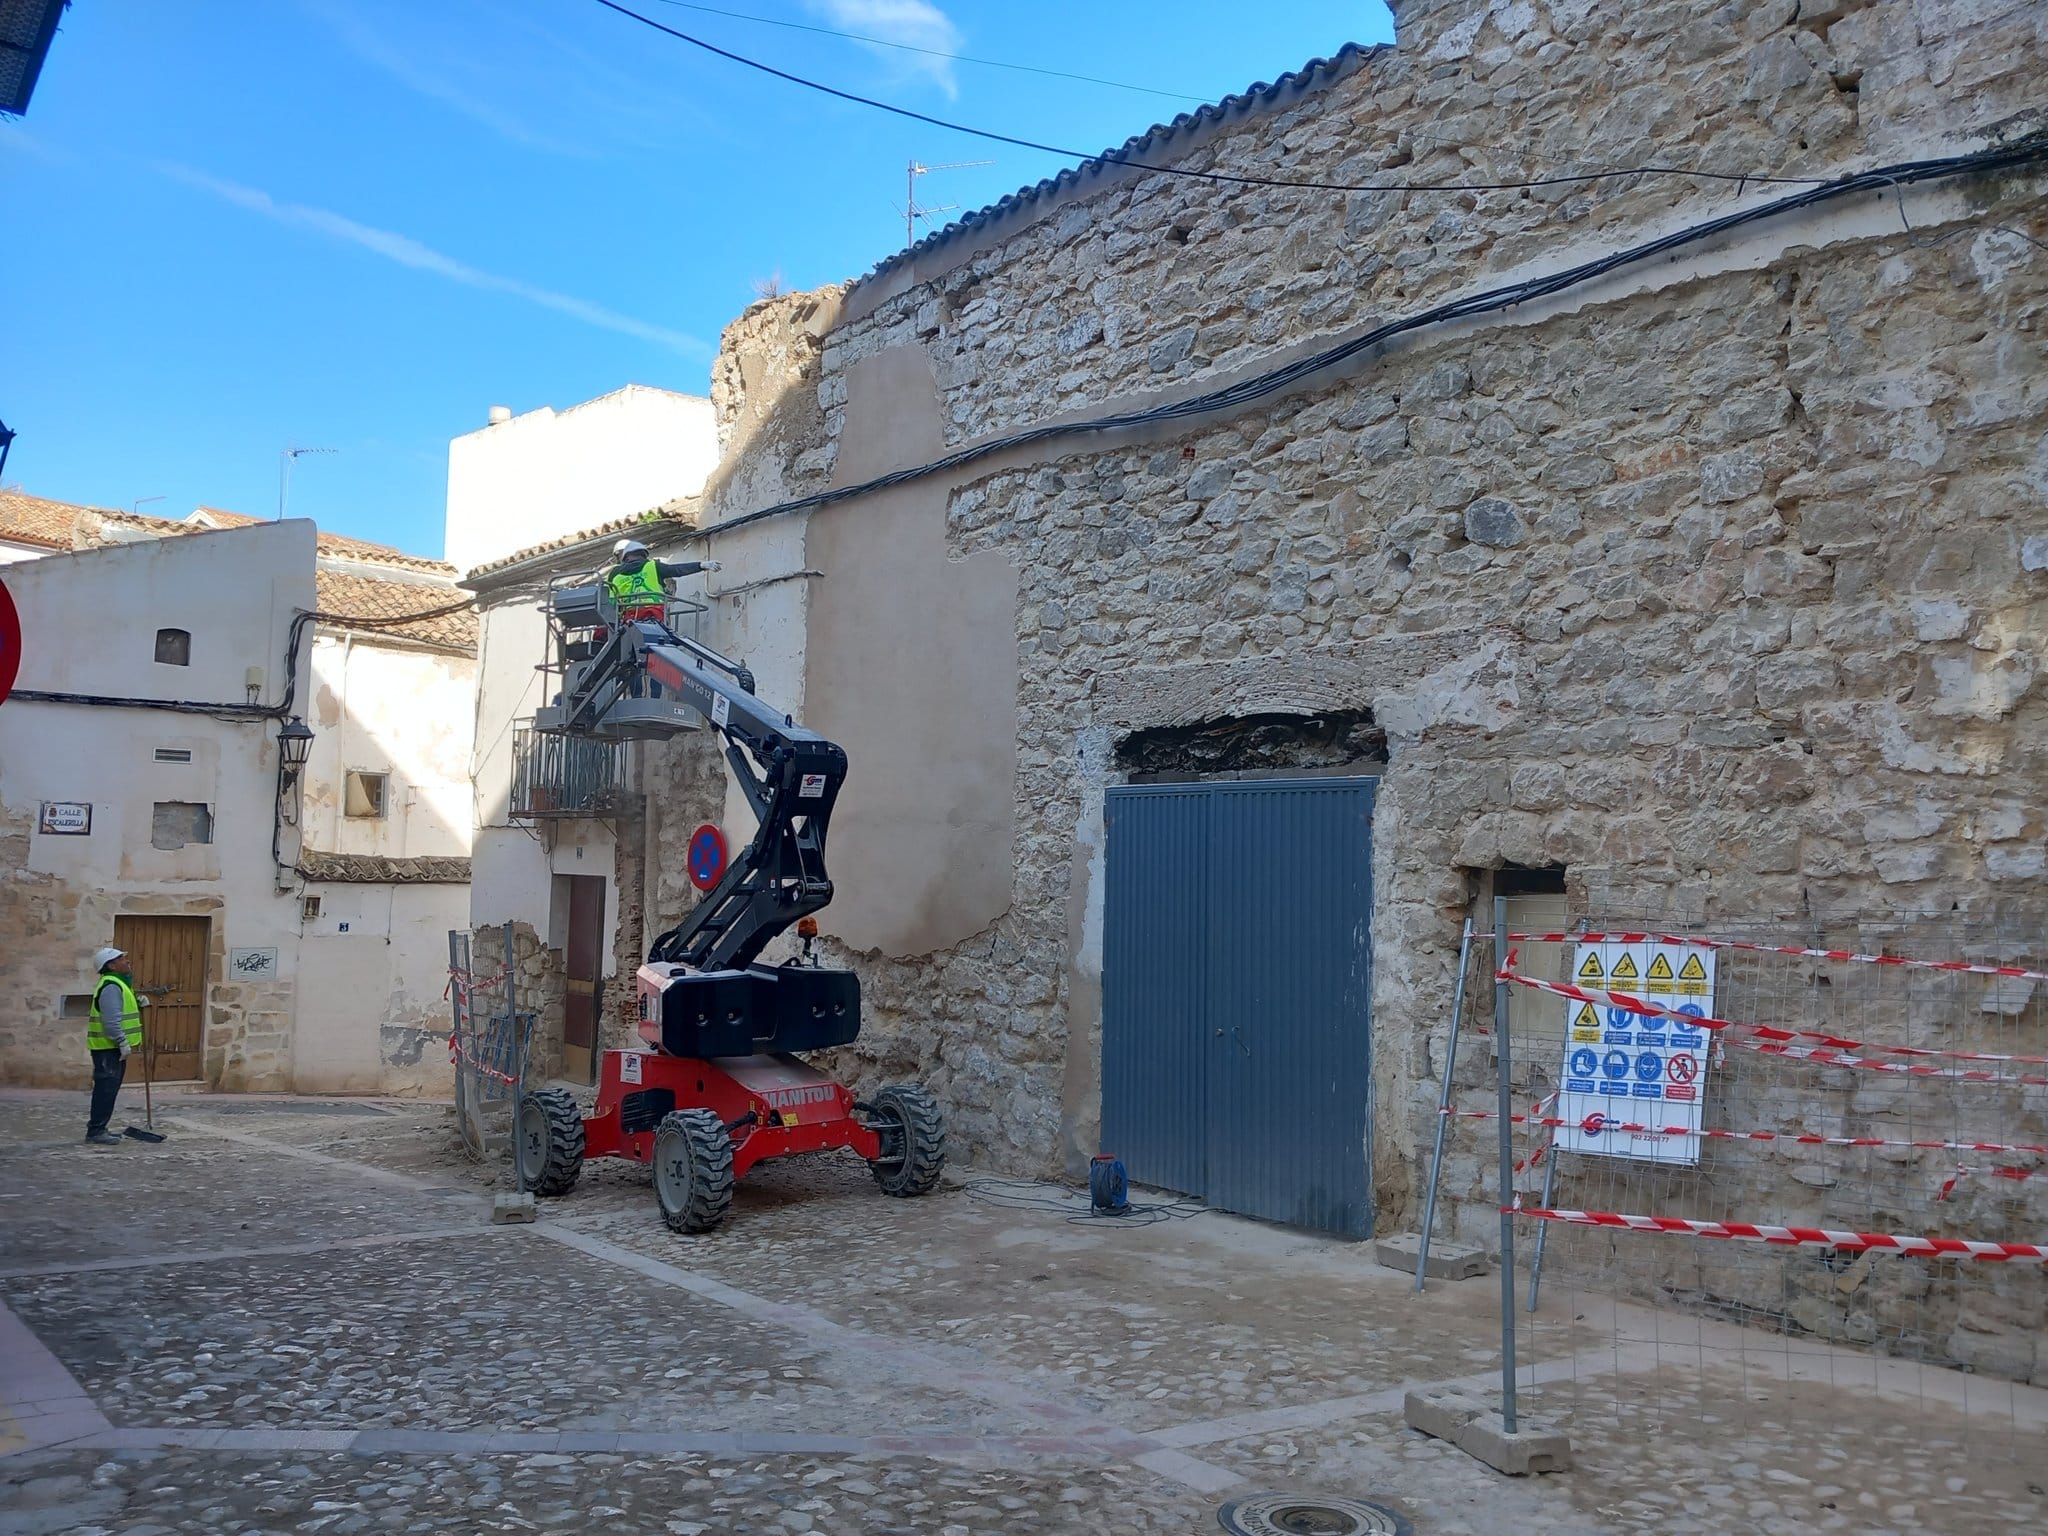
(148, 1108)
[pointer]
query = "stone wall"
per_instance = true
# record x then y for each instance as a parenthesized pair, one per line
(43, 959)
(539, 974)
(53, 926)
(1719, 584)
(1126, 281)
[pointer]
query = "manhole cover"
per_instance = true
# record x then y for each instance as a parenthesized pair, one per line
(1288, 1514)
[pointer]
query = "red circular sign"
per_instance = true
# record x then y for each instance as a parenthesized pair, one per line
(10, 643)
(1683, 1069)
(707, 856)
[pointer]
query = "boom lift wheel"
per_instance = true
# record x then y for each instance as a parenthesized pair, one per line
(692, 1169)
(912, 1128)
(549, 1143)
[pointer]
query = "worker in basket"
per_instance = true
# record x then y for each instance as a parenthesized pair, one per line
(637, 584)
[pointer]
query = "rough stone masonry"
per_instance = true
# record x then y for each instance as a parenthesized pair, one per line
(1721, 583)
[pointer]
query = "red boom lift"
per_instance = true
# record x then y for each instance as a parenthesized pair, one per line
(716, 1086)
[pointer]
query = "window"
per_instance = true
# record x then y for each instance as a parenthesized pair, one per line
(365, 794)
(174, 754)
(174, 647)
(174, 823)
(309, 909)
(75, 1005)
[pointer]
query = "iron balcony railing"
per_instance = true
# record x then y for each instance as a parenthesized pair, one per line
(560, 775)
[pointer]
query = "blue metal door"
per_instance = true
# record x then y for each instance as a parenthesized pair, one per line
(1236, 977)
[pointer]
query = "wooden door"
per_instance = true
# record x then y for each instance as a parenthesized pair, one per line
(585, 990)
(167, 958)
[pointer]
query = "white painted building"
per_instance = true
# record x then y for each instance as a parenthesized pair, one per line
(524, 480)
(140, 806)
(321, 970)
(574, 481)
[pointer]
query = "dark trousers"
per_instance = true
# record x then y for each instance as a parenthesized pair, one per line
(108, 1069)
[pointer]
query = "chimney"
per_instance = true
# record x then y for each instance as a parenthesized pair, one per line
(500, 414)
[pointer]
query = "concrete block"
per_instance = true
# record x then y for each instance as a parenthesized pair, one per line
(1447, 1261)
(507, 1209)
(1477, 1430)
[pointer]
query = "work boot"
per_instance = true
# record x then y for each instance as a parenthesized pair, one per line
(103, 1139)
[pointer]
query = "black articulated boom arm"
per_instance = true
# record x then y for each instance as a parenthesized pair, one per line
(790, 776)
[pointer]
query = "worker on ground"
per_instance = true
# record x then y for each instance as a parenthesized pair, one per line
(637, 584)
(114, 1031)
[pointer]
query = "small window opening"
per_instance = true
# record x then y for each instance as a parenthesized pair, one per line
(174, 823)
(75, 1005)
(309, 908)
(174, 647)
(364, 794)
(1529, 880)
(174, 754)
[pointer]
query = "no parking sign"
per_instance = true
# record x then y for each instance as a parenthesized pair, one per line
(707, 857)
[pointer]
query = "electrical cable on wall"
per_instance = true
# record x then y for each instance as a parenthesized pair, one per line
(1117, 157)
(2030, 151)
(249, 712)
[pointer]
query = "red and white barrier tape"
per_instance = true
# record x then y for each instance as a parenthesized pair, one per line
(1802, 1138)
(457, 1055)
(1820, 1237)
(1970, 967)
(1964, 1171)
(1535, 1117)
(1829, 1058)
(1772, 1036)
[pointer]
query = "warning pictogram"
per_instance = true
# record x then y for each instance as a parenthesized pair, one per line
(1658, 978)
(1683, 1069)
(1586, 1023)
(1692, 977)
(1625, 968)
(1589, 968)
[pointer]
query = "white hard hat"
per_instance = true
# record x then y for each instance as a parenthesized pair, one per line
(102, 956)
(627, 547)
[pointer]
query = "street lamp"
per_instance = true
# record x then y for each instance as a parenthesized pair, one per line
(294, 742)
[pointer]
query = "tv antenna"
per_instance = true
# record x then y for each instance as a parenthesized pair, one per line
(911, 212)
(284, 473)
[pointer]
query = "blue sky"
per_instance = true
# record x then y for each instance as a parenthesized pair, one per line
(234, 225)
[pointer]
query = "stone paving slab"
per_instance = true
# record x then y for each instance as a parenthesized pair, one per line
(498, 1331)
(187, 1493)
(62, 1201)
(1686, 1458)
(1169, 1322)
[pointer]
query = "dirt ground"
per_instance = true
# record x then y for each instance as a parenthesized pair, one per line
(295, 1316)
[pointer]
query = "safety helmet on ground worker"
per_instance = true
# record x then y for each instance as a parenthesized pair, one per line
(105, 956)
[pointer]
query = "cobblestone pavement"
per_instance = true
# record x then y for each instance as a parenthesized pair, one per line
(292, 1316)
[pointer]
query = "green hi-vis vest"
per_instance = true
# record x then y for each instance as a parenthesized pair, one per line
(96, 1036)
(638, 589)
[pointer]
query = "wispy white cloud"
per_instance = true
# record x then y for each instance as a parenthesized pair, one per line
(411, 67)
(408, 252)
(913, 23)
(17, 140)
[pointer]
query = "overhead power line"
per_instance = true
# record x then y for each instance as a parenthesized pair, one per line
(936, 53)
(1116, 157)
(2028, 153)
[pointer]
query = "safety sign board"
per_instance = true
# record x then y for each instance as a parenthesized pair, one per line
(1626, 1068)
